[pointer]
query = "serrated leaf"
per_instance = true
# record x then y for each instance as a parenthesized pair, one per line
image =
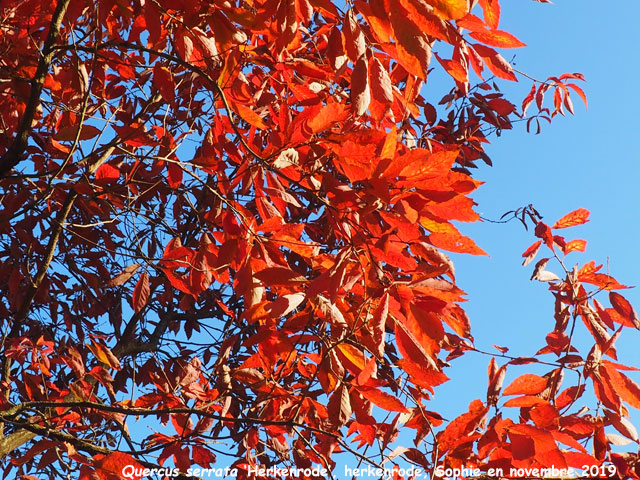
(577, 217)
(531, 252)
(141, 292)
(123, 276)
(527, 384)
(383, 400)
(497, 38)
(360, 94)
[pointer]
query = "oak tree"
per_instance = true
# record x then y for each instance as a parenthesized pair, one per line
(228, 221)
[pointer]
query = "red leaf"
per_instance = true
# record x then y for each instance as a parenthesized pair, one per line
(107, 172)
(543, 231)
(111, 466)
(577, 217)
(339, 407)
(624, 308)
(202, 456)
(496, 62)
(123, 276)
(579, 91)
(381, 89)
(528, 100)
(141, 292)
(531, 252)
(174, 174)
(163, 82)
(335, 49)
(455, 69)
(354, 41)
(502, 107)
(527, 384)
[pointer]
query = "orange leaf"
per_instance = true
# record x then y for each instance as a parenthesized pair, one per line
(420, 163)
(455, 243)
(524, 401)
(383, 399)
(69, 133)
(491, 11)
(461, 426)
(527, 384)
(450, 9)
(628, 390)
(577, 217)
(331, 113)
(497, 38)
(421, 375)
(249, 116)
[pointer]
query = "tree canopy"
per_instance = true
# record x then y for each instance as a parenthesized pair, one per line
(228, 221)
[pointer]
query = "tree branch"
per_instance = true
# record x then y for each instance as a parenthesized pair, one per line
(14, 153)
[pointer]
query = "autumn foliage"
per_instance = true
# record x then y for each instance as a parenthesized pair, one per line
(224, 229)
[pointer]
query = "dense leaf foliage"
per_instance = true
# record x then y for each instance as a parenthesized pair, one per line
(229, 220)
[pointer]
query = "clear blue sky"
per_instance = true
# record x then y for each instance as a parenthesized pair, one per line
(589, 160)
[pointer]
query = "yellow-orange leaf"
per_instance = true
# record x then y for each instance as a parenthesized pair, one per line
(450, 9)
(412, 47)
(103, 354)
(497, 38)
(491, 10)
(352, 357)
(575, 245)
(577, 217)
(249, 116)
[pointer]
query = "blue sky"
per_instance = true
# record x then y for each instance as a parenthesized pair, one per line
(588, 160)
